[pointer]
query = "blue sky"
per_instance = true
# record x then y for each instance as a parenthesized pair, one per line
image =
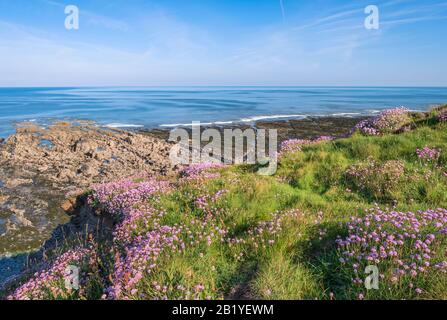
(223, 42)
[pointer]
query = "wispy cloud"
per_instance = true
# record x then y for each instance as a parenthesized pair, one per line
(160, 48)
(173, 50)
(415, 14)
(283, 12)
(338, 18)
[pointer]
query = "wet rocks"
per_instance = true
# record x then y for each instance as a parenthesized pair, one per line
(83, 154)
(311, 128)
(308, 128)
(3, 199)
(20, 218)
(87, 170)
(13, 183)
(39, 166)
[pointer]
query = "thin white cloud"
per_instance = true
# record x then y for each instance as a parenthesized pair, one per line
(283, 12)
(411, 20)
(174, 51)
(335, 17)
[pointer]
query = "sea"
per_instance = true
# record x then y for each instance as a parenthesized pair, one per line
(166, 107)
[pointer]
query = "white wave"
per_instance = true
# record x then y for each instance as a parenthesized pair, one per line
(276, 116)
(123, 125)
(223, 122)
(257, 118)
(173, 125)
(342, 114)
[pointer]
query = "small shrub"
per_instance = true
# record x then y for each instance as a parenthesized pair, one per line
(378, 180)
(388, 121)
(293, 145)
(443, 116)
(429, 155)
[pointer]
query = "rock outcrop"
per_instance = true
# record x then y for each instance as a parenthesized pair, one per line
(40, 166)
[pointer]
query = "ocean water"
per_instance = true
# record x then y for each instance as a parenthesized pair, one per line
(171, 106)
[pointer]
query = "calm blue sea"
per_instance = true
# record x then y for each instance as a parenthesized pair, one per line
(171, 106)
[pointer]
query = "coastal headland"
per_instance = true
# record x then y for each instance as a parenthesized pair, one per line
(44, 169)
(46, 172)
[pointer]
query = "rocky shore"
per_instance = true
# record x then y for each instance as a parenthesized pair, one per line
(43, 170)
(310, 127)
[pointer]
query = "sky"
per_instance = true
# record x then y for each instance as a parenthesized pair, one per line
(223, 43)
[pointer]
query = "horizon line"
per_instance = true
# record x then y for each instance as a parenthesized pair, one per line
(225, 86)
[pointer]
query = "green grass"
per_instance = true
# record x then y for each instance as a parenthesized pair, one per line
(300, 265)
(301, 261)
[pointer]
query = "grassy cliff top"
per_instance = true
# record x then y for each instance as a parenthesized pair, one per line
(333, 208)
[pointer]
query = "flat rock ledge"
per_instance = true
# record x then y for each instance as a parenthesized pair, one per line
(82, 153)
(42, 166)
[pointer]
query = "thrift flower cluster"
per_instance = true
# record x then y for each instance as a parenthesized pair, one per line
(129, 201)
(405, 246)
(50, 281)
(145, 253)
(387, 121)
(141, 258)
(143, 242)
(378, 179)
(205, 202)
(292, 145)
(139, 217)
(430, 155)
(200, 171)
(443, 116)
(116, 196)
